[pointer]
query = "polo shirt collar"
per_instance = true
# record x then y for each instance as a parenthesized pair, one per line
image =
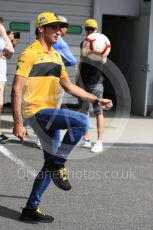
(39, 46)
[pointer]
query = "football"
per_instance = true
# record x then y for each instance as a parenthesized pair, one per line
(96, 47)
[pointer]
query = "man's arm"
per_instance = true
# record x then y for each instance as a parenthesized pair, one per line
(16, 101)
(8, 45)
(68, 58)
(83, 95)
(1, 54)
(14, 43)
(62, 47)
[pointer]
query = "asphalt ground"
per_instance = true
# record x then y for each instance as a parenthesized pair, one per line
(110, 191)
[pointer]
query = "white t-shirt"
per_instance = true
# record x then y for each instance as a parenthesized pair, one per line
(3, 66)
(2, 44)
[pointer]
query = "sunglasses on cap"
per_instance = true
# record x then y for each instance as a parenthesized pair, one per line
(89, 28)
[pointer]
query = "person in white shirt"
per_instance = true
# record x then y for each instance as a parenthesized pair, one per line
(5, 43)
(6, 50)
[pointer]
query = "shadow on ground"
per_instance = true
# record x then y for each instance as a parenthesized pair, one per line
(9, 213)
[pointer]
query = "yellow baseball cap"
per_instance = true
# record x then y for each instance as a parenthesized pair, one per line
(47, 18)
(91, 23)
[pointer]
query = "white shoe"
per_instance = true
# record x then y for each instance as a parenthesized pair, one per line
(97, 148)
(84, 143)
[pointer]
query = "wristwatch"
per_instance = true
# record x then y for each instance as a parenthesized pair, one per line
(96, 101)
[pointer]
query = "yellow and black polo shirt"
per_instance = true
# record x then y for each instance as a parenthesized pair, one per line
(43, 72)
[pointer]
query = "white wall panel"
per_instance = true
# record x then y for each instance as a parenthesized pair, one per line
(31, 8)
(114, 7)
(121, 7)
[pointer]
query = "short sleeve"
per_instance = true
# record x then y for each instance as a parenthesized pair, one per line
(25, 63)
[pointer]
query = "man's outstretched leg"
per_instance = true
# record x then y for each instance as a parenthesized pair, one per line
(46, 123)
(55, 156)
(31, 212)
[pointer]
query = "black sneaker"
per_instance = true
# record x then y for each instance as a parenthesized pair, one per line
(59, 177)
(3, 138)
(35, 215)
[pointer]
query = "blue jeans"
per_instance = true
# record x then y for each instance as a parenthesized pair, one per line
(47, 124)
